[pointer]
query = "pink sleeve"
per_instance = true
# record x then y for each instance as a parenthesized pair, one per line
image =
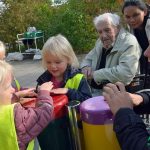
(14, 98)
(31, 121)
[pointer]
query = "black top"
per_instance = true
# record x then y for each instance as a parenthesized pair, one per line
(142, 39)
(100, 65)
(130, 130)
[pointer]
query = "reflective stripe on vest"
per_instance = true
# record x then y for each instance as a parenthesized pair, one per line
(74, 82)
(34, 145)
(31, 145)
(18, 87)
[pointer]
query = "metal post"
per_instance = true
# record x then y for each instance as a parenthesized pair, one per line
(72, 107)
(35, 43)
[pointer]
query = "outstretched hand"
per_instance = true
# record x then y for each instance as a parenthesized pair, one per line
(117, 97)
(46, 86)
(26, 93)
(26, 100)
(59, 91)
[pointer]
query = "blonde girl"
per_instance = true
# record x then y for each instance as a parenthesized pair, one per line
(19, 125)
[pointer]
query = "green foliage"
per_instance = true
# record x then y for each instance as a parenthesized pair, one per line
(16, 17)
(75, 25)
(74, 19)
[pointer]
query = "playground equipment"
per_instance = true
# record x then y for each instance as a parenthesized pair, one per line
(28, 38)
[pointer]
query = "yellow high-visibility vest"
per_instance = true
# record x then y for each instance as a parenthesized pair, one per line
(17, 84)
(74, 82)
(8, 136)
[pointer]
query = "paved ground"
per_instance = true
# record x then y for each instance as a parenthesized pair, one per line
(27, 71)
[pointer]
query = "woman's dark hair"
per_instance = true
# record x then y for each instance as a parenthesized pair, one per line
(138, 3)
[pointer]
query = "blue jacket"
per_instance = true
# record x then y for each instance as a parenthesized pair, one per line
(83, 91)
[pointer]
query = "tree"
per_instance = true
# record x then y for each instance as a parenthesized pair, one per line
(17, 16)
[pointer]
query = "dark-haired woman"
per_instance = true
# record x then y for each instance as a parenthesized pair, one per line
(137, 16)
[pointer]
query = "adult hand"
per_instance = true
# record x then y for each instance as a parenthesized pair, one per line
(59, 91)
(136, 99)
(26, 93)
(46, 86)
(117, 97)
(147, 53)
(87, 71)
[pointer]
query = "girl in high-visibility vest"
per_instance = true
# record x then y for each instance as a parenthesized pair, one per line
(19, 125)
(61, 66)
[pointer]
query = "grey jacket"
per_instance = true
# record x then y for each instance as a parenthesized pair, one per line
(122, 64)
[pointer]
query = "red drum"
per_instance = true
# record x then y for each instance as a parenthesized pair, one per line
(59, 102)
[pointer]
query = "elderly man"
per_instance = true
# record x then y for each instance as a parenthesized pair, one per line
(115, 56)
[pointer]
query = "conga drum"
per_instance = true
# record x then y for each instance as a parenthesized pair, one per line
(97, 121)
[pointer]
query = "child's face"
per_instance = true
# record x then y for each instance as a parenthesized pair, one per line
(56, 66)
(6, 91)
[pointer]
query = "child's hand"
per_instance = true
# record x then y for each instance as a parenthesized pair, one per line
(47, 86)
(59, 91)
(26, 100)
(26, 93)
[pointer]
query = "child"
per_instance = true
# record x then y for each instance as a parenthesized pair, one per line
(18, 126)
(62, 69)
(2, 57)
(19, 92)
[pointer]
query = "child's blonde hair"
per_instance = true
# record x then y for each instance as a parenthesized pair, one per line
(2, 46)
(59, 46)
(5, 69)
